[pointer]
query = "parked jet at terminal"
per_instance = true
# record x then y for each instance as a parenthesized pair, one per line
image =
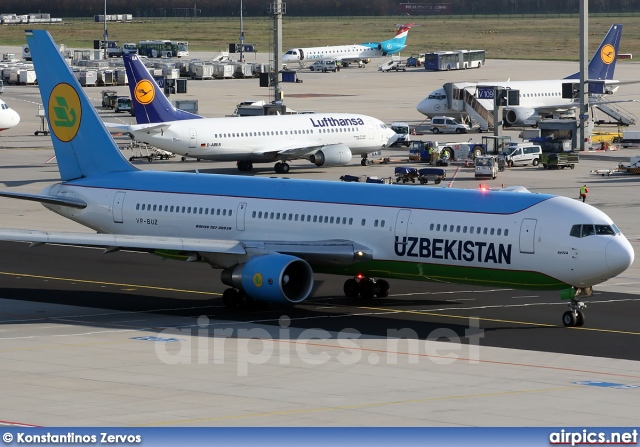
(325, 139)
(350, 53)
(537, 98)
(269, 235)
(8, 117)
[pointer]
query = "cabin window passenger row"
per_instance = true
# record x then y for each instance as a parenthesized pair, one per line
(301, 217)
(183, 210)
(470, 230)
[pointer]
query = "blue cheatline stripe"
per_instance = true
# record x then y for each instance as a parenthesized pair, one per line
(319, 191)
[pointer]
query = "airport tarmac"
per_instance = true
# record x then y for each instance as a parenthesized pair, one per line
(128, 339)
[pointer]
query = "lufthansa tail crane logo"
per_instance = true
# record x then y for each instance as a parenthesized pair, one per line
(144, 92)
(608, 54)
(64, 112)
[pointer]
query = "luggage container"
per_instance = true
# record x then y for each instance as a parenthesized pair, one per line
(405, 174)
(88, 78)
(121, 77)
(243, 71)
(223, 71)
(203, 72)
(434, 174)
(27, 77)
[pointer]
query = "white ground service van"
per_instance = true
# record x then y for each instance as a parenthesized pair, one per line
(444, 124)
(522, 154)
(402, 129)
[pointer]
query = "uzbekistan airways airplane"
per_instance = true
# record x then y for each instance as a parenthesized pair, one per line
(325, 139)
(539, 98)
(350, 53)
(269, 235)
(8, 117)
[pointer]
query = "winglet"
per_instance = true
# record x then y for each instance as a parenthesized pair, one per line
(82, 145)
(149, 102)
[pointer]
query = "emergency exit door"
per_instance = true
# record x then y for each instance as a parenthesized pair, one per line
(192, 138)
(527, 235)
(402, 223)
(118, 200)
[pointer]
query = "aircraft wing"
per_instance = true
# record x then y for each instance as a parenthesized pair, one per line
(566, 107)
(149, 128)
(52, 200)
(328, 252)
(293, 152)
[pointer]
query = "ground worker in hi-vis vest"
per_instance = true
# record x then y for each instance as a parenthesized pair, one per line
(583, 192)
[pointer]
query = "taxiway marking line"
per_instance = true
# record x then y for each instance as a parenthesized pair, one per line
(494, 320)
(105, 283)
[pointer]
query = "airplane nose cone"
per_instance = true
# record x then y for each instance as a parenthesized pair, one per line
(619, 255)
(16, 119)
(421, 107)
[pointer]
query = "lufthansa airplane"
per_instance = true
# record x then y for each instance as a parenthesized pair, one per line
(350, 53)
(269, 235)
(538, 98)
(325, 139)
(8, 117)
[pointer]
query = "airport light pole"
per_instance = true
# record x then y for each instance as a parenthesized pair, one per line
(584, 74)
(277, 10)
(104, 36)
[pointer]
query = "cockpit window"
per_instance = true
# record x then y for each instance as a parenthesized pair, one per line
(604, 229)
(438, 96)
(589, 230)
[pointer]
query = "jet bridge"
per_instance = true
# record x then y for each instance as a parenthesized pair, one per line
(462, 97)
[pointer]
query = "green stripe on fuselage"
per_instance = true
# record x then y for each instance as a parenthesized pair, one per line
(518, 279)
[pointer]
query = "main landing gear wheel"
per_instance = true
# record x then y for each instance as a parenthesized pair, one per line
(366, 288)
(574, 317)
(364, 162)
(281, 168)
(235, 299)
(245, 166)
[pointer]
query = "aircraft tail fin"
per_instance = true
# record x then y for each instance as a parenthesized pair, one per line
(82, 145)
(398, 42)
(149, 102)
(603, 63)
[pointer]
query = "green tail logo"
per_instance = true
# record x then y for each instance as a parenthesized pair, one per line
(66, 116)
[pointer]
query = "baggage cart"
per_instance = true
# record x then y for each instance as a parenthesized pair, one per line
(406, 174)
(434, 174)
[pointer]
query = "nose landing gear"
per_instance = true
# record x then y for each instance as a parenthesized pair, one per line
(574, 317)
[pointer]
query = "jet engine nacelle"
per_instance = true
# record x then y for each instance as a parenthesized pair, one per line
(274, 278)
(520, 116)
(333, 155)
